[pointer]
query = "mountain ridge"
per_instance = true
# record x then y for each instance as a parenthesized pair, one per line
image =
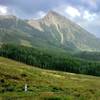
(53, 31)
(66, 28)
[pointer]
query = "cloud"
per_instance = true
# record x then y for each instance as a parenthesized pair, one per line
(88, 16)
(39, 15)
(27, 9)
(73, 12)
(3, 10)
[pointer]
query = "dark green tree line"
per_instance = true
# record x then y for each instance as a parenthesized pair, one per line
(36, 57)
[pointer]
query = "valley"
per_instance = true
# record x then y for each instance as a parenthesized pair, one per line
(56, 58)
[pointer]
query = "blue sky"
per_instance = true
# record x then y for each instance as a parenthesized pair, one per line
(86, 13)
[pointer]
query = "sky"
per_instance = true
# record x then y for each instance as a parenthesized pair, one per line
(86, 13)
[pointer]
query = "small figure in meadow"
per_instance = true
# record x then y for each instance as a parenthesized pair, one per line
(25, 88)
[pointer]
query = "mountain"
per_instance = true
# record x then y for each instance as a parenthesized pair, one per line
(53, 32)
(66, 33)
(16, 31)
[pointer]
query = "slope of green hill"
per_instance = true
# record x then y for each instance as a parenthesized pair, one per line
(53, 32)
(17, 31)
(44, 84)
(50, 60)
(93, 56)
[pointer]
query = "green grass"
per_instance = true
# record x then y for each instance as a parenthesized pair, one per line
(44, 84)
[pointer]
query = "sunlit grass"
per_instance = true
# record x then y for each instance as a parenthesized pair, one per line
(45, 84)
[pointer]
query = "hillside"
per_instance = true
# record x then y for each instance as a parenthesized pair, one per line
(65, 33)
(17, 31)
(53, 32)
(44, 84)
(93, 56)
(50, 60)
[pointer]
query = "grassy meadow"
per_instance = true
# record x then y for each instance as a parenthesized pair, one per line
(44, 84)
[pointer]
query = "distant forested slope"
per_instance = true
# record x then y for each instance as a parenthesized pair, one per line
(33, 56)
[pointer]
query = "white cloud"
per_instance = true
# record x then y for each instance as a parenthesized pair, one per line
(39, 15)
(73, 12)
(88, 16)
(3, 10)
